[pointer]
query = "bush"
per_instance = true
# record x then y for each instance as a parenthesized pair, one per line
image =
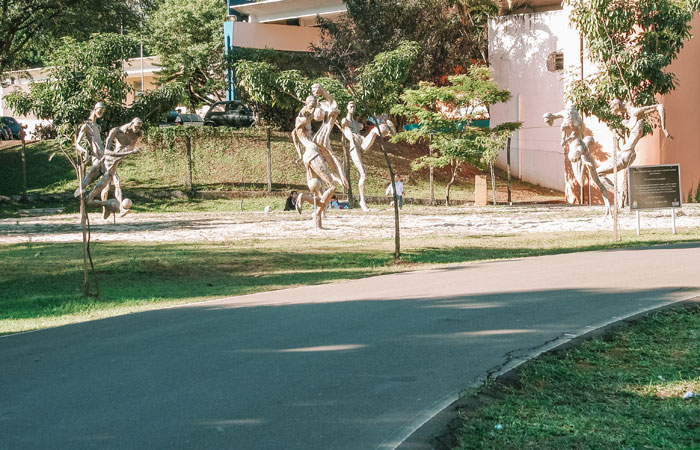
(44, 132)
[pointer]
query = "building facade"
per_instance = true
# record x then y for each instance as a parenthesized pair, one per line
(532, 54)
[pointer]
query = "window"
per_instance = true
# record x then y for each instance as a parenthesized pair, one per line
(555, 61)
(217, 109)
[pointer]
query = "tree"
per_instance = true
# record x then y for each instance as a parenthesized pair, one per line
(632, 41)
(29, 29)
(274, 95)
(81, 74)
(445, 115)
(187, 38)
(270, 92)
(375, 87)
(452, 33)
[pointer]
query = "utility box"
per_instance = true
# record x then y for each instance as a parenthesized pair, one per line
(480, 191)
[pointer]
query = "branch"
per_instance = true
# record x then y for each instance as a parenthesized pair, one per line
(612, 46)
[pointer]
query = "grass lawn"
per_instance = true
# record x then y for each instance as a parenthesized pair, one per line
(238, 161)
(41, 283)
(619, 393)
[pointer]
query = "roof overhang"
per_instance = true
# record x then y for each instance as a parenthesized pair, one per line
(275, 10)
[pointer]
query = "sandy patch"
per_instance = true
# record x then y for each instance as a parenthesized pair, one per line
(234, 226)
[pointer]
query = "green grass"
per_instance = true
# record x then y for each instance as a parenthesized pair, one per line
(604, 394)
(43, 176)
(41, 283)
(237, 161)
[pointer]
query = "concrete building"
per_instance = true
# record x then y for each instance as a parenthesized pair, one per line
(287, 25)
(531, 54)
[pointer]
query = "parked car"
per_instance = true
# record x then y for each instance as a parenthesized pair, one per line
(231, 113)
(187, 120)
(15, 129)
(191, 120)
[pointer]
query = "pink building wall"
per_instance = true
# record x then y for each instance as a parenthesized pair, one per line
(518, 49)
(682, 121)
(279, 37)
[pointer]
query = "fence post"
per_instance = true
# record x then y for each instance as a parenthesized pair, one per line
(510, 200)
(432, 181)
(269, 162)
(24, 163)
(188, 148)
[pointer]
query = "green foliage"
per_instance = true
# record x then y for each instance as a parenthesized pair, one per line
(31, 29)
(187, 38)
(380, 82)
(83, 73)
(632, 42)
(452, 33)
(80, 75)
(444, 115)
(267, 89)
(284, 60)
(697, 193)
(271, 93)
(151, 106)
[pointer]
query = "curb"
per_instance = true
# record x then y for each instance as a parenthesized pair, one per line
(439, 432)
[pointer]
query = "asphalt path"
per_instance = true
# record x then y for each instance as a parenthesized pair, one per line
(352, 365)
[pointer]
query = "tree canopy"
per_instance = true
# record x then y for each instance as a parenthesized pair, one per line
(31, 29)
(632, 41)
(375, 88)
(81, 74)
(452, 33)
(445, 117)
(187, 37)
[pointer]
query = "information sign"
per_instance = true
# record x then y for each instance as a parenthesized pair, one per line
(654, 187)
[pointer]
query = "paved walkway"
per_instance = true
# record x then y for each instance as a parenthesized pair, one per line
(354, 365)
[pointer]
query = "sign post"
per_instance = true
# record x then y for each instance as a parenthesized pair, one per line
(655, 187)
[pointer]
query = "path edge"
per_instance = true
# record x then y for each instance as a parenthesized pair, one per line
(438, 432)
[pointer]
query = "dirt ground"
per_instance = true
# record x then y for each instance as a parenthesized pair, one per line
(345, 224)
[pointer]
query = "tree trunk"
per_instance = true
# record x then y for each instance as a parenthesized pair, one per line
(269, 161)
(455, 166)
(24, 167)
(346, 168)
(83, 226)
(397, 236)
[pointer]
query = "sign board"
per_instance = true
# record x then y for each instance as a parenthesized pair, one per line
(654, 187)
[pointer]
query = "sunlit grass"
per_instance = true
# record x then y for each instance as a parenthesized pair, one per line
(624, 393)
(41, 283)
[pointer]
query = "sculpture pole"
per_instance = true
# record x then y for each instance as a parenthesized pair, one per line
(615, 234)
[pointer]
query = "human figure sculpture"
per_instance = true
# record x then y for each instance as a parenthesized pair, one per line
(317, 155)
(90, 131)
(358, 144)
(572, 134)
(326, 112)
(120, 143)
(113, 206)
(633, 121)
